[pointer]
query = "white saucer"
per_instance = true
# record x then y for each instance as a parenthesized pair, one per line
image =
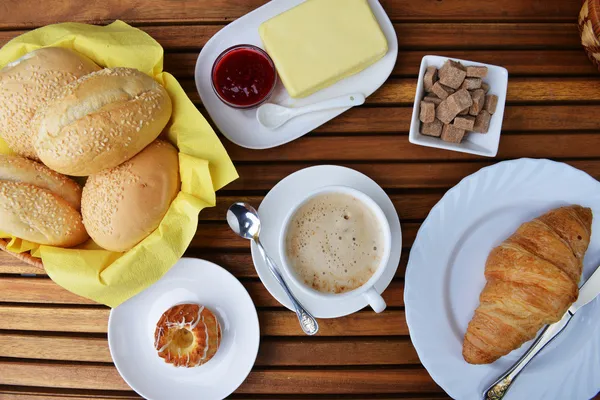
(131, 334)
(283, 197)
(241, 126)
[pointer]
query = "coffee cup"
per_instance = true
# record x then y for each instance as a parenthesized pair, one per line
(331, 270)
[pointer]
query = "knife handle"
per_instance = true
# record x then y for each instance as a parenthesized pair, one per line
(499, 388)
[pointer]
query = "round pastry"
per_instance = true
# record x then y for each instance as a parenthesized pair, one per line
(187, 335)
(38, 215)
(123, 205)
(28, 83)
(20, 169)
(100, 121)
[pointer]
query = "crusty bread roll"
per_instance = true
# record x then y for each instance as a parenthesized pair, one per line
(20, 169)
(100, 121)
(38, 215)
(31, 81)
(123, 205)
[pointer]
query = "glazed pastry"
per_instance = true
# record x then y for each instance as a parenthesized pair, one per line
(187, 335)
(532, 279)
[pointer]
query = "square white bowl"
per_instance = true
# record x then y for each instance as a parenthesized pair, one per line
(476, 143)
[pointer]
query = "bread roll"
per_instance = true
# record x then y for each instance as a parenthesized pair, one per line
(100, 121)
(123, 205)
(31, 81)
(19, 169)
(38, 215)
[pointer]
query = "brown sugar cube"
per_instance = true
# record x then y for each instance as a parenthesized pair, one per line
(465, 111)
(482, 122)
(467, 123)
(491, 102)
(478, 97)
(427, 112)
(431, 76)
(444, 112)
(452, 74)
(460, 100)
(454, 104)
(452, 134)
(485, 87)
(441, 91)
(433, 99)
(471, 83)
(477, 72)
(432, 129)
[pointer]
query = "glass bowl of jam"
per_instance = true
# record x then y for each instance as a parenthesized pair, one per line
(243, 76)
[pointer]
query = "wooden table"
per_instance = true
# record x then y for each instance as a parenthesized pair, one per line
(53, 343)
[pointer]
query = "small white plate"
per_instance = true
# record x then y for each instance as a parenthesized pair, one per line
(131, 334)
(241, 126)
(283, 197)
(445, 277)
(476, 143)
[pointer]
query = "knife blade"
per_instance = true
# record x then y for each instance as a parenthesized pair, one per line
(588, 292)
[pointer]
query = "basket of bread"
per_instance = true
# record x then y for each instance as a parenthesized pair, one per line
(589, 29)
(104, 161)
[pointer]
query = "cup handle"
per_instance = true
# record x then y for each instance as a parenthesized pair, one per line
(375, 300)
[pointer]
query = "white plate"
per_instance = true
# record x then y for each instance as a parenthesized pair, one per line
(131, 334)
(241, 127)
(445, 276)
(475, 143)
(283, 197)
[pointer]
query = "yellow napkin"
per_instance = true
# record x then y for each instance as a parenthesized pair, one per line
(104, 276)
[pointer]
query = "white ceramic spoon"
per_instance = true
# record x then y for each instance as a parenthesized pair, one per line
(272, 116)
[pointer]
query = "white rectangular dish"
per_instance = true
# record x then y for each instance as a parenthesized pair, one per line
(241, 126)
(476, 143)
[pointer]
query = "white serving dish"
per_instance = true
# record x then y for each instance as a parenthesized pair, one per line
(241, 126)
(131, 329)
(445, 276)
(475, 143)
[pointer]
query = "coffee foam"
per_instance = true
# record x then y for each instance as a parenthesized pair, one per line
(334, 243)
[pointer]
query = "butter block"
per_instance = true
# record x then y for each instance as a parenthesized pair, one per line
(320, 42)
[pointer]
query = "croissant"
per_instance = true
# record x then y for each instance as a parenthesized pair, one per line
(532, 280)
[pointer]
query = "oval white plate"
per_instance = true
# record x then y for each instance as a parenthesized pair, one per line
(445, 277)
(131, 334)
(241, 126)
(285, 195)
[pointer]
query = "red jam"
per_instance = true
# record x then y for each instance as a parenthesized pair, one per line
(243, 76)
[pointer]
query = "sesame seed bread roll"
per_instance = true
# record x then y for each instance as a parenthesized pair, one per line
(31, 81)
(38, 215)
(20, 169)
(100, 121)
(123, 205)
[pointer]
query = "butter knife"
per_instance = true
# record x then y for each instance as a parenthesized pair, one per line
(588, 292)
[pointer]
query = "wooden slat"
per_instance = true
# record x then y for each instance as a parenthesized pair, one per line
(516, 118)
(272, 352)
(314, 381)
(411, 36)
(520, 90)
(388, 175)
(395, 148)
(182, 11)
(273, 323)
(239, 264)
(220, 236)
(518, 62)
(56, 395)
(42, 290)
